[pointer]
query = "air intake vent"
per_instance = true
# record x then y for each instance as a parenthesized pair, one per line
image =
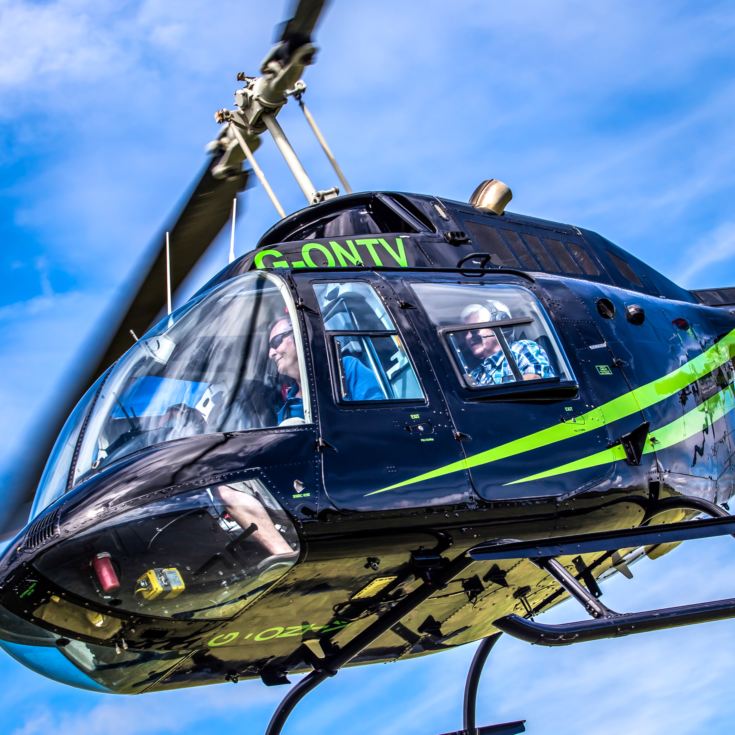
(716, 296)
(42, 531)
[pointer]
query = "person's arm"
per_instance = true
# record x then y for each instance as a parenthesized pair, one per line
(246, 511)
(360, 383)
(532, 360)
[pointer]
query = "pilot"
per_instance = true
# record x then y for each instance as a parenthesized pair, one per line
(494, 368)
(360, 383)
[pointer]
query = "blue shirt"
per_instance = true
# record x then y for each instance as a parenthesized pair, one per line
(293, 406)
(360, 385)
(530, 357)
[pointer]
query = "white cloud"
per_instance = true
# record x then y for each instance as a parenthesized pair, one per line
(45, 42)
(714, 247)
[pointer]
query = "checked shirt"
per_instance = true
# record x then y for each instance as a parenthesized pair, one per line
(530, 357)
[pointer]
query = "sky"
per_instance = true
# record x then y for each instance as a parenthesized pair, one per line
(617, 116)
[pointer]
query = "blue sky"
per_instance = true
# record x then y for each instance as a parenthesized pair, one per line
(616, 116)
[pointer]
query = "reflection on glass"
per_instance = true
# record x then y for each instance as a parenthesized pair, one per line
(497, 334)
(375, 368)
(207, 368)
(53, 483)
(202, 554)
(372, 363)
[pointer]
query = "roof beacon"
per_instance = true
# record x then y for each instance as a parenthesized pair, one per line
(492, 195)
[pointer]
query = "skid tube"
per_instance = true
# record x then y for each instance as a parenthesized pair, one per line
(607, 623)
(437, 578)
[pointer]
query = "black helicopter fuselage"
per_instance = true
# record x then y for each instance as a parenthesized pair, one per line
(382, 495)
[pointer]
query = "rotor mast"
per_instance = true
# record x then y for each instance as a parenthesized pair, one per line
(261, 98)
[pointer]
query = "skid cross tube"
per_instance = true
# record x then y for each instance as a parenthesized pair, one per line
(473, 680)
(608, 623)
(470, 697)
(603, 541)
(330, 665)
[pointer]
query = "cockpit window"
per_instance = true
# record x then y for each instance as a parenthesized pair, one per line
(495, 334)
(371, 360)
(230, 360)
(143, 561)
(55, 477)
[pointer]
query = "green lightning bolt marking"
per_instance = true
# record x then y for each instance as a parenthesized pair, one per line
(691, 423)
(618, 408)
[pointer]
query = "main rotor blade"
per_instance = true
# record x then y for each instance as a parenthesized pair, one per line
(202, 217)
(204, 213)
(299, 28)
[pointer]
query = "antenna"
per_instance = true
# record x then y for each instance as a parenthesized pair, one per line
(232, 232)
(168, 274)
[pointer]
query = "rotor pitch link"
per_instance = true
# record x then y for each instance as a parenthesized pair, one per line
(234, 129)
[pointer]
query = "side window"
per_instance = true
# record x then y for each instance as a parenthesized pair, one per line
(625, 270)
(371, 361)
(496, 335)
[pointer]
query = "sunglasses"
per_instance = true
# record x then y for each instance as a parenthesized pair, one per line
(275, 342)
(474, 337)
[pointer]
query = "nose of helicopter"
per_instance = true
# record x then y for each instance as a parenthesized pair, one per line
(87, 568)
(39, 650)
(91, 586)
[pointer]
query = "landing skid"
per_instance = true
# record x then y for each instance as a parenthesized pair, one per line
(436, 572)
(607, 623)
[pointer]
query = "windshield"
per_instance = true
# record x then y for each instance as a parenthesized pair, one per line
(209, 367)
(53, 482)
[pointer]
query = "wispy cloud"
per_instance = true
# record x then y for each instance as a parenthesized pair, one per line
(613, 115)
(714, 247)
(52, 41)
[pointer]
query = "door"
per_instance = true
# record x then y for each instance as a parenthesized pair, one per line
(533, 403)
(382, 417)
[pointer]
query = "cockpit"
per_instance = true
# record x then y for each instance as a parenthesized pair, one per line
(232, 360)
(206, 369)
(209, 367)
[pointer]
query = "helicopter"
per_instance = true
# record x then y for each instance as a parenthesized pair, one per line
(394, 248)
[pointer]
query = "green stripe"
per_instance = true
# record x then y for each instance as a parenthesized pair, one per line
(618, 408)
(691, 423)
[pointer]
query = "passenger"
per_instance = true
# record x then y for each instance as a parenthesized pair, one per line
(360, 383)
(494, 368)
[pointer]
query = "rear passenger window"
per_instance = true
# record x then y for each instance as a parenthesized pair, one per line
(372, 364)
(495, 334)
